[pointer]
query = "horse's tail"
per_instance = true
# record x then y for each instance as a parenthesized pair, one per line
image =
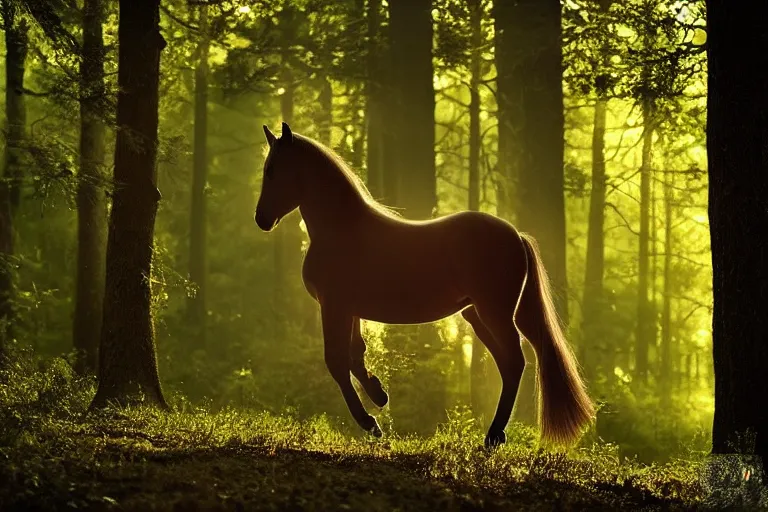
(565, 406)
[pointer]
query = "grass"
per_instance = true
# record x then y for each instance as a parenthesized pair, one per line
(55, 455)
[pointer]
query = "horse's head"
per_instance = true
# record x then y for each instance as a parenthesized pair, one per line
(280, 183)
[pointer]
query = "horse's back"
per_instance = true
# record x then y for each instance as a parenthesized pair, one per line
(453, 244)
(399, 271)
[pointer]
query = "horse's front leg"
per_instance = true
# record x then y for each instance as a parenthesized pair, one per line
(337, 330)
(371, 383)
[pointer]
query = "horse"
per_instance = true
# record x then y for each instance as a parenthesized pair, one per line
(366, 262)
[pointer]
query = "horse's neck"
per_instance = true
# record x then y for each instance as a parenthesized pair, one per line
(330, 201)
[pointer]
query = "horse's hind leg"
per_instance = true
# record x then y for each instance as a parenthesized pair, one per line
(371, 383)
(498, 333)
(337, 329)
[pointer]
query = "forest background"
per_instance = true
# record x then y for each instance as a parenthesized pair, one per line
(440, 106)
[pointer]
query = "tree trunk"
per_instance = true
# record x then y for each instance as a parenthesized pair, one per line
(644, 319)
(375, 102)
(282, 237)
(508, 59)
(666, 307)
(127, 358)
(91, 195)
(737, 131)
(411, 38)
(593, 350)
(540, 197)
(475, 69)
(16, 48)
(326, 108)
(356, 104)
(478, 370)
(653, 255)
(595, 354)
(198, 271)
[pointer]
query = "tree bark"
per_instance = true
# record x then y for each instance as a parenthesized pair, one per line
(593, 299)
(508, 57)
(737, 137)
(478, 370)
(91, 195)
(645, 320)
(375, 102)
(536, 117)
(198, 268)
(665, 362)
(16, 48)
(326, 107)
(475, 69)
(127, 359)
(594, 353)
(411, 38)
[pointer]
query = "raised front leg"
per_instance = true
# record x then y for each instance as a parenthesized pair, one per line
(337, 331)
(371, 383)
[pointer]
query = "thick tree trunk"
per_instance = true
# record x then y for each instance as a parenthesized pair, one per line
(645, 320)
(592, 349)
(127, 358)
(91, 195)
(411, 39)
(16, 48)
(198, 269)
(737, 137)
(540, 197)
(508, 59)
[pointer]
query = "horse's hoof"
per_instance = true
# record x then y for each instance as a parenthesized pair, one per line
(495, 439)
(371, 426)
(375, 430)
(378, 396)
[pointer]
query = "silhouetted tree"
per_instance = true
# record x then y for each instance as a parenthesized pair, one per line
(198, 266)
(411, 35)
(91, 196)
(737, 132)
(508, 99)
(127, 359)
(479, 388)
(592, 299)
(16, 47)
(537, 129)
(375, 100)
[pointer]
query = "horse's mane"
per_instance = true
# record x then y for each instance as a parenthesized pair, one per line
(346, 171)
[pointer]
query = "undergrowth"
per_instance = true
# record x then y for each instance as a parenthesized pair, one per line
(55, 454)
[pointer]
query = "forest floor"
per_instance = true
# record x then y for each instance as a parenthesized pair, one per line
(54, 455)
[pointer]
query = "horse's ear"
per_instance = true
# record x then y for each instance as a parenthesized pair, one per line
(287, 133)
(270, 136)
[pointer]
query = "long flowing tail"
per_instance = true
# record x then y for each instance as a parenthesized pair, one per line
(565, 406)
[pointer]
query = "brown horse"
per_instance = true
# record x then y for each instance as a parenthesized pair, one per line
(366, 262)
